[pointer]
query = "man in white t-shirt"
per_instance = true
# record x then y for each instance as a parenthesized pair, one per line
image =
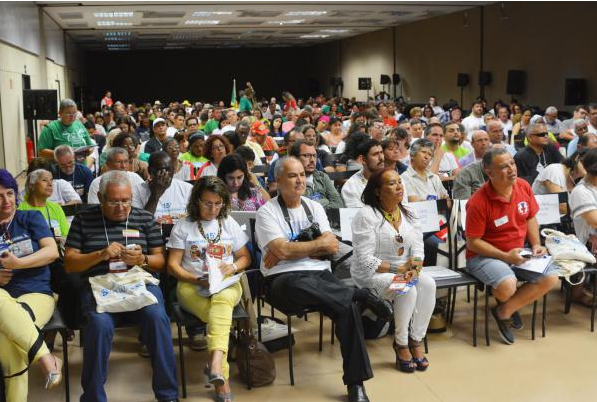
(297, 274)
(503, 115)
(370, 156)
(117, 159)
(443, 164)
(474, 121)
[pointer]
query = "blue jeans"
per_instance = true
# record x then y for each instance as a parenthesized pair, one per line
(154, 326)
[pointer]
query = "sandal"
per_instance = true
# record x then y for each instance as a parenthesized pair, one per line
(406, 366)
(421, 362)
(54, 377)
(226, 397)
(212, 378)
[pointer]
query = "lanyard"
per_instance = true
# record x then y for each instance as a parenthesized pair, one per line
(126, 228)
(6, 235)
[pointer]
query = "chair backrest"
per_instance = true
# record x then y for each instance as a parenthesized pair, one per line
(243, 218)
(260, 169)
(345, 175)
(429, 215)
(550, 215)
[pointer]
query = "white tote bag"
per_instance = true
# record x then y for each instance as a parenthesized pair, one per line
(566, 247)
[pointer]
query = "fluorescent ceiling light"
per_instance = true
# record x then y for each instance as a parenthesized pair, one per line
(334, 31)
(202, 22)
(125, 14)
(113, 23)
(210, 13)
(304, 13)
(117, 33)
(314, 36)
(285, 22)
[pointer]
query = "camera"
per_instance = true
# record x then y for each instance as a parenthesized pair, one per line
(310, 233)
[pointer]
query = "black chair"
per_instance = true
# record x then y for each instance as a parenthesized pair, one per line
(57, 324)
(344, 175)
(260, 169)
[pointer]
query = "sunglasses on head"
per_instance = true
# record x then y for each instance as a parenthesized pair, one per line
(543, 134)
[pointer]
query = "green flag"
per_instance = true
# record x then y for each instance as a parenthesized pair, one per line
(233, 102)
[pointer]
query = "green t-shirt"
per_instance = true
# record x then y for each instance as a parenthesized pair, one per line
(245, 105)
(210, 126)
(459, 153)
(56, 218)
(189, 157)
(56, 133)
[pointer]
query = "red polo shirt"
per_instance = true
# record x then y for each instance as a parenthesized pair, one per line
(500, 222)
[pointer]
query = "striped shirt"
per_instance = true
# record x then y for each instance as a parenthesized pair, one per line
(88, 234)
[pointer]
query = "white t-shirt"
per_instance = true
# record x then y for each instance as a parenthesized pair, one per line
(92, 197)
(353, 189)
(554, 173)
(270, 225)
(583, 199)
(172, 205)
(186, 236)
(472, 123)
(209, 170)
(63, 193)
(447, 164)
(340, 148)
(171, 131)
(184, 174)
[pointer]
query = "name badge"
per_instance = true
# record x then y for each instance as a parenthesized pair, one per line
(116, 266)
(22, 248)
(501, 221)
(131, 233)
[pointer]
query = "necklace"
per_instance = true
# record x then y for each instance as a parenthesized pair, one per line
(217, 238)
(392, 216)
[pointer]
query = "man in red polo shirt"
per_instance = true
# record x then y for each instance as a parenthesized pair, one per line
(500, 216)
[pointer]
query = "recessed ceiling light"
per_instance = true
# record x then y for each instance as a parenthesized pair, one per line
(210, 13)
(202, 22)
(304, 13)
(286, 22)
(314, 36)
(125, 14)
(113, 23)
(334, 31)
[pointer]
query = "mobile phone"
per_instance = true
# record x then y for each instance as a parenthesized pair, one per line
(525, 254)
(131, 246)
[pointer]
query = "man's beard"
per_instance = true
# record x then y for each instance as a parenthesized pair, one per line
(453, 141)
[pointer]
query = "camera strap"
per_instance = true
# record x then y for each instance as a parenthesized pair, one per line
(287, 216)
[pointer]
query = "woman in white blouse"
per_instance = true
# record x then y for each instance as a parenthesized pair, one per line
(560, 177)
(388, 245)
(209, 236)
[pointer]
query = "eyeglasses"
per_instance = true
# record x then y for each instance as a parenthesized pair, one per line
(543, 134)
(69, 114)
(115, 204)
(217, 147)
(211, 205)
(308, 156)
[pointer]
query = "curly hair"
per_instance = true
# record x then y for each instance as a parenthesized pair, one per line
(213, 184)
(208, 145)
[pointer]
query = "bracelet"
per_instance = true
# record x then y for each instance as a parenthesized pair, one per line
(235, 267)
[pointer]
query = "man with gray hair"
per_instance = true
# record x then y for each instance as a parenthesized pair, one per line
(66, 130)
(538, 153)
(76, 174)
(113, 237)
(117, 159)
(554, 125)
(480, 143)
(580, 127)
(495, 130)
(500, 219)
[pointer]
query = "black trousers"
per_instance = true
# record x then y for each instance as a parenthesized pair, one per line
(292, 292)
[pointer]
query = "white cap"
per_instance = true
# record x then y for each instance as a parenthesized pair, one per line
(158, 120)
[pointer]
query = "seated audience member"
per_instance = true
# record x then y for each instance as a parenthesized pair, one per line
(76, 174)
(377, 128)
(480, 143)
(319, 187)
(182, 170)
(195, 154)
(130, 143)
(209, 234)
(560, 177)
(215, 149)
(183, 141)
(391, 155)
(66, 130)
(96, 245)
(143, 131)
(444, 164)
(335, 135)
(473, 121)
(553, 124)
(62, 192)
(415, 128)
(496, 135)
(537, 155)
(468, 180)
(503, 117)
(162, 195)
(519, 129)
(243, 129)
(297, 276)
(259, 134)
(24, 281)
(400, 136)
(500, 217)
(246, 193)
(420, 183)
(159, 136)
(323, 157)
(276, 126)
(583, 205)
(293, 135)
(452, 137)
(580, 128)
(370, 156)
(387, 241)
(117, 159)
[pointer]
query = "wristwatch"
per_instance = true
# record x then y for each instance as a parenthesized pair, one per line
(393, 268)
(145, 264)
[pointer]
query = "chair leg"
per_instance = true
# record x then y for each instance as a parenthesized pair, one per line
(593, 304)
(533, 320)
(448, 305)
(453, 306)
(544, 315)
(258, 321)
(568, 297)
(320, 331)
(249, 376)
(468, 293)
(290, 369)
(183, 377)
(425, 344)
(333, 334)
(475, 314)
(487, 316)
(305, 317)
(64, 335)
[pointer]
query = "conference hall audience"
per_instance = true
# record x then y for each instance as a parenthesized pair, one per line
(62, 192)
(246, 193)
(537, 155)
(76, 174)
(215, 149)
(117, 159)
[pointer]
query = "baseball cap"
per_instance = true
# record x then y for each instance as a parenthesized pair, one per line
(260, 128)
(158, 120)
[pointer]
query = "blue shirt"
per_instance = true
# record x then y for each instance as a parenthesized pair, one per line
(28, 226)
(80, 179)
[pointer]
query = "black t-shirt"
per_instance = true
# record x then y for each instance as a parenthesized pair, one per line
(153, 145)
(88, 234)
(527, 161)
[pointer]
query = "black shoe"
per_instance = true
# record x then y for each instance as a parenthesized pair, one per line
(503, 327)
(380, 307)
(356, 393)
(169, 400)
(516, 321)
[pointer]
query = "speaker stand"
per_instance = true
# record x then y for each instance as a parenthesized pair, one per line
(461, 96)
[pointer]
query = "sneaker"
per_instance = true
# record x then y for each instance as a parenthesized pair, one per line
(503, 327)
(516, 321)
(143, 351)
(197, 342)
